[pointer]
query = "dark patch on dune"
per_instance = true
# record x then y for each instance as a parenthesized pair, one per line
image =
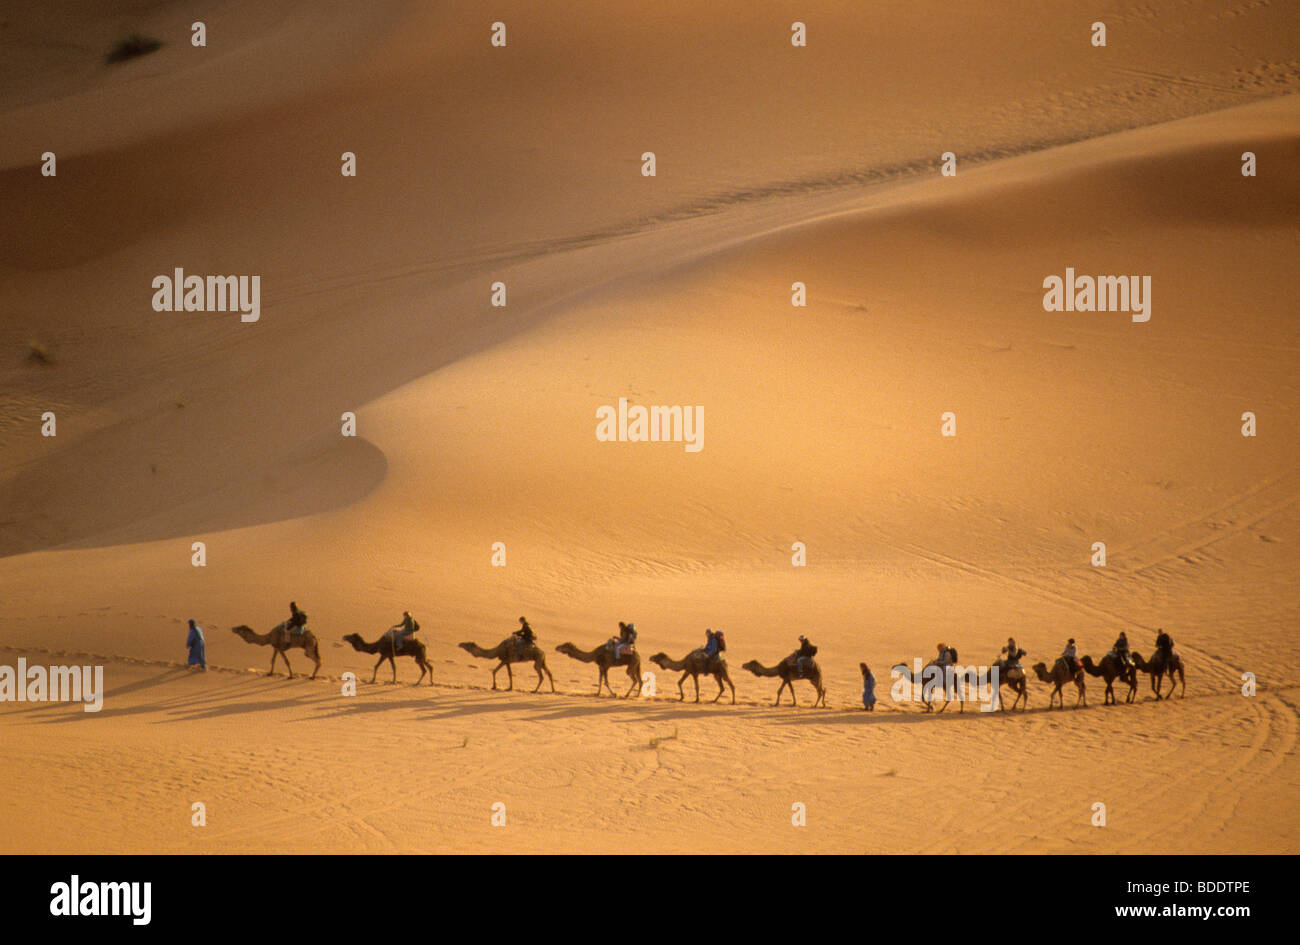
(132, 47)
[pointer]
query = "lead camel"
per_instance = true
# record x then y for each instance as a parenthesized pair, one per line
(281, 641)
(788, 673)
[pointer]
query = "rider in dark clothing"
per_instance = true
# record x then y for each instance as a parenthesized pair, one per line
(1121, 650)
(1013, 652)
(1164, 649)
(297, 618)
(404, 629)
(525, 632)
(804, 654)
(625, 640)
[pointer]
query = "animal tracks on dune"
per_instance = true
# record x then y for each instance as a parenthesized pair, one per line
(1239, 513)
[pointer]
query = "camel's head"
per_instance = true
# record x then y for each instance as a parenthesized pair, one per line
(353, 638)
(566, 648)
(659, 659)
(242, 631)
(466, 646)
(753, 666)
(1040, 669)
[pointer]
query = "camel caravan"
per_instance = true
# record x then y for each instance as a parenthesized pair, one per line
(942, 677)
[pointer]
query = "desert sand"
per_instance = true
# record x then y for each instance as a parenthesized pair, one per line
(476, 424)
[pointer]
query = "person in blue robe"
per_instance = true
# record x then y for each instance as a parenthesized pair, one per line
(868, 688)
(195, 644)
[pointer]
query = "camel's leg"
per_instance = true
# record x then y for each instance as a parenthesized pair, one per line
(274, 654)
(543, 667)
(721, 688)
(696, 680)
(393, 663)
(681, 689)
(603, 682)
(510, 678)
(538, 671)
(379, 662)
(496, 669)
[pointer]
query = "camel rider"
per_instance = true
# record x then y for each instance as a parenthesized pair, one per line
(524, 635)
(297, 618)
(803, 656)
(1014, 653)
(714, 643)
(625, 640)
(1071, 656)
(1165, 648)
(1120, 649)
(399, 632)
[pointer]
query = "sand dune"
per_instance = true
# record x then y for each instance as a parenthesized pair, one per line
(821, 423)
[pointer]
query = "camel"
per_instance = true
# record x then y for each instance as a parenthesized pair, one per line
(1112, 668)
(1015, 678)
(511, 650)
(1158, 668)
(1059, 676)
(788, 671)
(384, 647)
(902, 669)
(695, 665)
(603, 657)
(281, 641)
